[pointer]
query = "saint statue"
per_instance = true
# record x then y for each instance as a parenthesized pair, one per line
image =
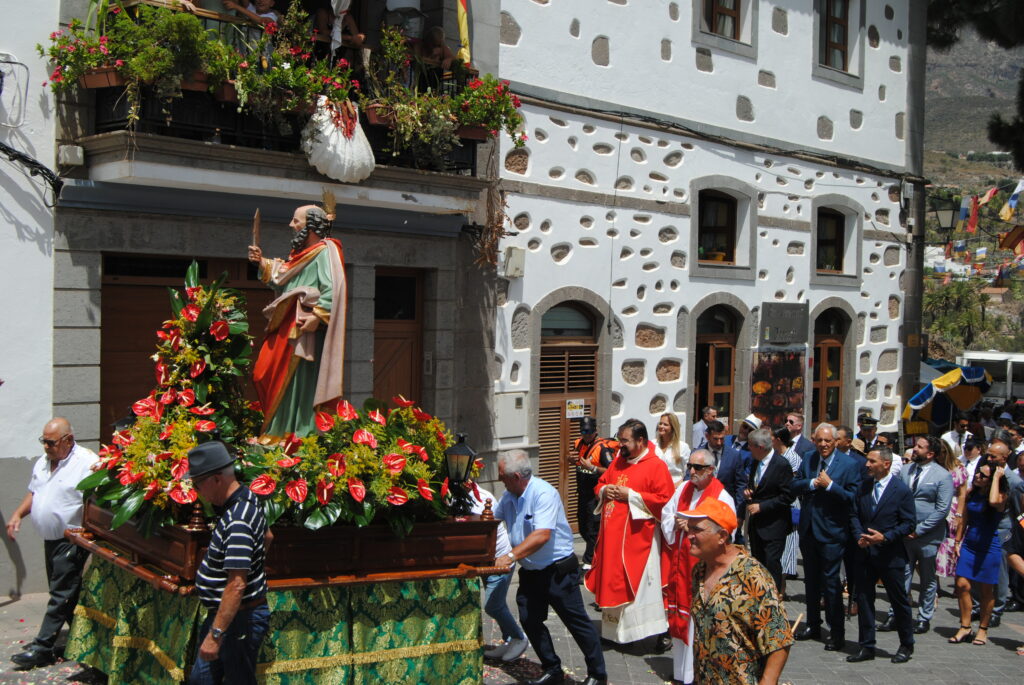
(299, 368)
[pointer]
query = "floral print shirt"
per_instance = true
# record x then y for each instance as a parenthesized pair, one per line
(738, 624)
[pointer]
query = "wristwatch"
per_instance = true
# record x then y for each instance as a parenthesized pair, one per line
(216, 633)
(512, 556)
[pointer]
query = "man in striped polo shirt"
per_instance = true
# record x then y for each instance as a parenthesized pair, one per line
(230, 583)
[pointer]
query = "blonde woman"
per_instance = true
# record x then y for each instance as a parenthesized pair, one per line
(671, 448)
(948, 554)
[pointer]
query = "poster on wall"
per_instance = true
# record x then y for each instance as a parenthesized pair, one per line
(777, 383)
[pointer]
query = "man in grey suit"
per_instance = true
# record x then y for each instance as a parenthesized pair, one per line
(932, 486)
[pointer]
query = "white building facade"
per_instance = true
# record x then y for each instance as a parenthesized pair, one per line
(704, 183)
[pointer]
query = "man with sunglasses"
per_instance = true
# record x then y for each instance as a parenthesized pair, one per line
(55, 503)
(702, 485)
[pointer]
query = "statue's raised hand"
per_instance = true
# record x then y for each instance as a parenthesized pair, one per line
(255, 254)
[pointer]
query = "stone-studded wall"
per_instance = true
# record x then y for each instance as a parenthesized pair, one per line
(603, 205)
(647, 57)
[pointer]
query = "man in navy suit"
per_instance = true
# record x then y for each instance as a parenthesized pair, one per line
(826, 485)
(883, 515)
(732, 470)
(795, 424)
(768, 499)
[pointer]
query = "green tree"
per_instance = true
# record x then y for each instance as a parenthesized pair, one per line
(954, 313)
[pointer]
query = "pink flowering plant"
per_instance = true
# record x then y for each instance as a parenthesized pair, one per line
(73, 52)
(488, 102)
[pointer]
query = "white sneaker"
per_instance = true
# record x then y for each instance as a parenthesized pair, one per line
(516, 647)
(496, 651)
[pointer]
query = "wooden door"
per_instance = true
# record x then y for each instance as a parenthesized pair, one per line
(716, 369)
(567, 372)
(135, 303)
(826, 394)
(398, 334)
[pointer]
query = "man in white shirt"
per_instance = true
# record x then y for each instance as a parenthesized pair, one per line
(707, 415)
(55, 503)
(958, 437)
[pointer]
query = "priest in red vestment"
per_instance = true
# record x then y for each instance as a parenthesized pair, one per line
(627, 575)
(702, 484)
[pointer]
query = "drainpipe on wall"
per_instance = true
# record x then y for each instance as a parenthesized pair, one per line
(914, 276)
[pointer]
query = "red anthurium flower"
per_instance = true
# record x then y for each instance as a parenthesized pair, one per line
(162, 335)
(187, 398)
(192, 292)
(127, 477)
(378, 417)
(123, 438)
(291, 444)
(476, 491)
(175, 340)
(205, 426)
(425, 491)
(324, 491)
(204, 410)
(364, 437)
(183, 495)
(263, 485)
(197, 368)
(190, 312)
(479, 464)
(144, 407)
(397, 496)
(163, 456)
(422, 451)
(356, 489)
(152, 489)
(169, 396)
(336, 465)
(421, 415)
(166, 432)
(444, 488)
(288, 462)
(401, 401)
(440, 438)
(161, 373)
(406, 447)
(179, 469)
(346, 411)
(297, 490)
(394, 463)
(324, 421)
(219, 330)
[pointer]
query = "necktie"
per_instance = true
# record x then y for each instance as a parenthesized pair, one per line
(758, 473)
(917, 478)
(878, 491)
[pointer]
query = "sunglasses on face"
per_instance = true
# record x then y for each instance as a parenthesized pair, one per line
(51, 443)
(697, 467)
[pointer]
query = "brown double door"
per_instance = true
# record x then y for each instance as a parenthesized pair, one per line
(567, 372)
(715, 371)
(398, 334)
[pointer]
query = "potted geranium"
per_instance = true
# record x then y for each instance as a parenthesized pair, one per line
(485, 107)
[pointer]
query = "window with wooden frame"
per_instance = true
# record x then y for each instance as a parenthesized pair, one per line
(722, 17)
(716, 227)
(835, 35)
(827, 381)
(831, 242)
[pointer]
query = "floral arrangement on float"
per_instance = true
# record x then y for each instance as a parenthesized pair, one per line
(361, 467)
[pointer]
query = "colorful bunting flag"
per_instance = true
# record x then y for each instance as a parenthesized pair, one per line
(989, 194)
(972, 223)
(981, 253)
(1011, 239)
(965, 212)
(1010, 208)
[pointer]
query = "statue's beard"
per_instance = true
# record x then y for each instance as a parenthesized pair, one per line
(299, 239)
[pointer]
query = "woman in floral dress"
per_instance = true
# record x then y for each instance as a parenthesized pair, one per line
(948, 554)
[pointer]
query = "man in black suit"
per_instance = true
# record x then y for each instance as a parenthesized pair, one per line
(768, 499)
(732, 469)
(884, 513)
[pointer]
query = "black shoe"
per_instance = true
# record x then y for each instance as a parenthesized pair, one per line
(591, 680)
(887, 626)
(553, 677)
(976, 614)
(33, 658)
(1012, 605)
(835, 645)
(995, 621)
(663, 644)
(863, 655)
(808, 633)
(921, 627)
(902, 655)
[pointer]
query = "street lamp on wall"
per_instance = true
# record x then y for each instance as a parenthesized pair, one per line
(945, 214)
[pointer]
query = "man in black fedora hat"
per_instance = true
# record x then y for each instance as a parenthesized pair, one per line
(230, 582)
(591, 456)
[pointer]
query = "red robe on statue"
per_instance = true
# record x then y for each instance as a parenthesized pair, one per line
(679, 590)
(624, 543)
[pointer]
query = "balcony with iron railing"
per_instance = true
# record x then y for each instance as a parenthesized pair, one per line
(255, 88)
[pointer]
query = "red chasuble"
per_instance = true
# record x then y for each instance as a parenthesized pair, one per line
(679, 591)
(624, 543)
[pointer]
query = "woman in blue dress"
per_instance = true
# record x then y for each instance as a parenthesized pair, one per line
(980, 550)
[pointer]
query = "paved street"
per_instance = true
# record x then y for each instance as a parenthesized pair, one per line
(935, 662)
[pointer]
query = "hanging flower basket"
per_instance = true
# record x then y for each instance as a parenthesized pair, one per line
(101, 77)
(378, 115)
